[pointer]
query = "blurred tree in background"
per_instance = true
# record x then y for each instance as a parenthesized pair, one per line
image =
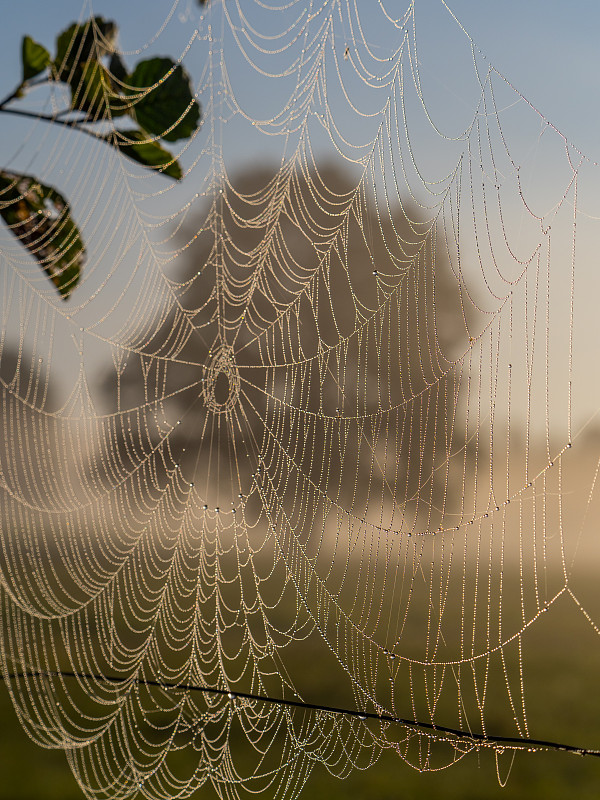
(332, 314)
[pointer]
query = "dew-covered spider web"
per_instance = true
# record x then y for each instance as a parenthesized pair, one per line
(313, 426)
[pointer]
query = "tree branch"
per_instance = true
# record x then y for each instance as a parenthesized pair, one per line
(17, 93)
(52, 118)
(21, 88)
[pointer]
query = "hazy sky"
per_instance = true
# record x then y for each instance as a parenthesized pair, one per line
(551, 56)
(547, 51)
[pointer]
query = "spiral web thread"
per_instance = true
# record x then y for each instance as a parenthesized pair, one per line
(304, 430)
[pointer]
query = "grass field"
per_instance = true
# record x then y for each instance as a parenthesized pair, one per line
(32, 773)
(563, 664)
(561, 655)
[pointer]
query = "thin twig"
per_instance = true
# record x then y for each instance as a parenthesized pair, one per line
(52, 118)
(21, 88)
(477, 738)
(11, 96)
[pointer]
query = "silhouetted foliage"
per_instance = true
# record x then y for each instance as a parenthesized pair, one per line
(156, 95)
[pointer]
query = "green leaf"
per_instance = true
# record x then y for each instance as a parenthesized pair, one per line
(140, 147)
(165, 106)
(40, 218)
(94, 93)
(117, 68)
(89, 41)
(35, 58)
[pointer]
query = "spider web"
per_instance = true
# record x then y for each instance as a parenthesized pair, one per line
(304, 429)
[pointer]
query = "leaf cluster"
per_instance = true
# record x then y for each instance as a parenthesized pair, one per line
(156, 94)
(40, 218)
(156, 98)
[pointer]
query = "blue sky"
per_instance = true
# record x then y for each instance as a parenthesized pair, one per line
(550, 53)
(547, 51)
